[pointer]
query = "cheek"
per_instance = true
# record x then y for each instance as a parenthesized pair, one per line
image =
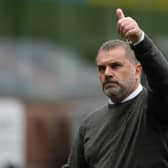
(101, 78)
(126, 75)
(130, 70)
(131, 75)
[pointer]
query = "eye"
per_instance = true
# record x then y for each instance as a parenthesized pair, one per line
(101, 68)
(115, 65)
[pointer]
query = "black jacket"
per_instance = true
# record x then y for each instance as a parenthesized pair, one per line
(133, 134)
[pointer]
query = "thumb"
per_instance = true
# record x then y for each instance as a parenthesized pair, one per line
(120, 13)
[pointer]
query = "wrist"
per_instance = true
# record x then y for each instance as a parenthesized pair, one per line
(141, 38)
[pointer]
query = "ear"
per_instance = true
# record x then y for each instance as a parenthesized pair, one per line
(138, 71)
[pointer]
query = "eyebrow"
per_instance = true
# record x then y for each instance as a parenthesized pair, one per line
(111, 63)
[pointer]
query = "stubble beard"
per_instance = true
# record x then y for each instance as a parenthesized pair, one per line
(114, 93)
(119, 92)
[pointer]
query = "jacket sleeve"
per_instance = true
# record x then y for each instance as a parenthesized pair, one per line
(155, 67)
(77, 158)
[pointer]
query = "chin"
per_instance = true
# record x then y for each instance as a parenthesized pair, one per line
(109, 93)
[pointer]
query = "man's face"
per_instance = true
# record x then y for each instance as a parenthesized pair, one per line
(118, 76)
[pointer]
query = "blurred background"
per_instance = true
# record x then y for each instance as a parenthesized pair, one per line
(48, 77)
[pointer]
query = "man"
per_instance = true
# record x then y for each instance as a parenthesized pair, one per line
(132, 130)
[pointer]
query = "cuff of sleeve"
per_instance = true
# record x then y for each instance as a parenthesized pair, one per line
(144, 46)
(140, 40)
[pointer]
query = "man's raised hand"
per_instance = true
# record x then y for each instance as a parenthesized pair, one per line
(128, 27)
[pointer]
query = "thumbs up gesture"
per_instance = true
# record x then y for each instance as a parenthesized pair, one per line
(128, 27)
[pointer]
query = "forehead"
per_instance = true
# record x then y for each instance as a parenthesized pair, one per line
(114, 55)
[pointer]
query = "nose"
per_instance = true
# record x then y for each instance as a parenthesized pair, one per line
(108, 71)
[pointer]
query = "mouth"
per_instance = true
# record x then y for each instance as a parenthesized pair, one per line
(108, 85)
